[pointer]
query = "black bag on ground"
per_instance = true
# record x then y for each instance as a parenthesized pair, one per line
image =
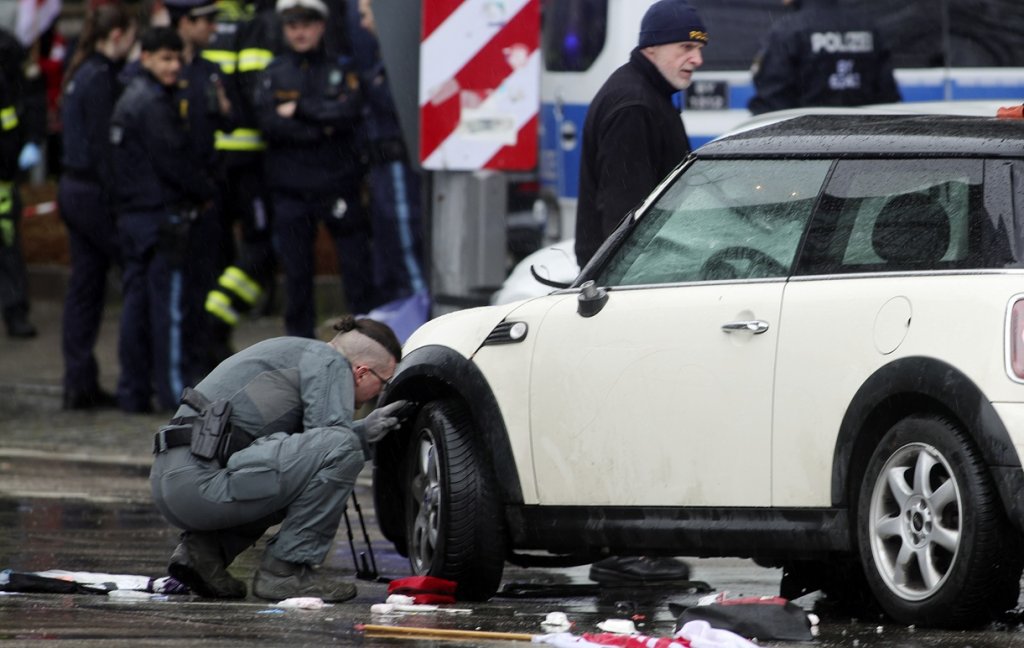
(765, 621)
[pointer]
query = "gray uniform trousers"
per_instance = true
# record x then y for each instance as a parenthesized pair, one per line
(301, 480)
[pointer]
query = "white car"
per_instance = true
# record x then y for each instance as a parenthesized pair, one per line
(807, 347)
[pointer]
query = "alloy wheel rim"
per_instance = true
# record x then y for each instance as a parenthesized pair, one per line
(915, 521)
(426, 496)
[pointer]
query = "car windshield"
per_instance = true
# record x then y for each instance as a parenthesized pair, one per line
(721, 220)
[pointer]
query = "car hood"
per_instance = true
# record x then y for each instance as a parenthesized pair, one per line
(462, 331)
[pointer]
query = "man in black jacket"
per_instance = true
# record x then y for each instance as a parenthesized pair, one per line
(160, 188)
(309, 106)
(633, 135)
(822, 54)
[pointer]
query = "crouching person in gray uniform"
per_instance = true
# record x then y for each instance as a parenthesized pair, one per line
(267, 438)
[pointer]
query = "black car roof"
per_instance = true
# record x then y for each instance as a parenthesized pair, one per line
(833, 135)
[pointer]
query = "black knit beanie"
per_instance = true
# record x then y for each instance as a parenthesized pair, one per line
(671, 21)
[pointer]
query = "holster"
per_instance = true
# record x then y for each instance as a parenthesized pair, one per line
(213, 437)
(173, 237)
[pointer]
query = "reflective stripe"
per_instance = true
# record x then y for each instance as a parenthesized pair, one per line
(254, 59)
(226, 59)
(240, 139)
(235, 280)
(8, 118)
(219, 305)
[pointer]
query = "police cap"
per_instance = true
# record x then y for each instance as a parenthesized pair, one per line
(301, 10)
(192, 8)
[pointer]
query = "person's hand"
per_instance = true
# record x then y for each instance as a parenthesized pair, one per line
(287, 109)
(30, 156)
(382, 420)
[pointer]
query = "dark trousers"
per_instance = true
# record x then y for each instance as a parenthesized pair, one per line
(397, 230)
(156, 322)
(13, 282)
(295, 225)
(92, 239)
(245, 200)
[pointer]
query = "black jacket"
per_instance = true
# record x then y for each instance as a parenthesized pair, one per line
(154, 165)
(309, 153)
(85, 112)
(823, 54)
(632, 138)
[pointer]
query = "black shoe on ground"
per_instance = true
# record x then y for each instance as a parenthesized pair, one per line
(92, 399)
(277, 580)
(20, 327)
(629, 570)
(198, 563)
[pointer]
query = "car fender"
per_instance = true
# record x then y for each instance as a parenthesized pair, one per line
(915, 385)
(429, 373)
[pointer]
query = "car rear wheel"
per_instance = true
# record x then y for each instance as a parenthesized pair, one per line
(454, 523)
(934, 542)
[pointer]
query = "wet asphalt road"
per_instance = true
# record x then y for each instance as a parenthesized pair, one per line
(74, 496)
(84, 515)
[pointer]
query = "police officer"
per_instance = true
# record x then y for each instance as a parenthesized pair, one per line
(296, 398)
(85, 194)
(246, 39)
(394, 185)
(202, 98)
(13, 282)
(160, 188)
(309, 107)
(822, 54)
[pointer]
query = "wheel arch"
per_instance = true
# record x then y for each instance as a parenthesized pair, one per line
(426, 374)
(918, 385)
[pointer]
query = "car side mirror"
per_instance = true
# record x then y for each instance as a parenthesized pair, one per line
(591, 299)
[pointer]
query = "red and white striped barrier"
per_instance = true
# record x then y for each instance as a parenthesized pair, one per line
(479, 91)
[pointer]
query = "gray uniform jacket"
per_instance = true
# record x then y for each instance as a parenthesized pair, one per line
(285, 384)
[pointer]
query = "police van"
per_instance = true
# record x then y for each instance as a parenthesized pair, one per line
(943, 51)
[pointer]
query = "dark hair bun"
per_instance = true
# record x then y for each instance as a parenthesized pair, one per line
(345, 324)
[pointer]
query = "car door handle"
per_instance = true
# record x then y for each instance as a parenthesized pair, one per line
(757, 327)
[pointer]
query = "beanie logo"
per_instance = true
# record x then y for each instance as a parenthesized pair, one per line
(700, 36)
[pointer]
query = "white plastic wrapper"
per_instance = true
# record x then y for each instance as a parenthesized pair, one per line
(302, 603)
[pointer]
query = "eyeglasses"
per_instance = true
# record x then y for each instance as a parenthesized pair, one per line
(383, 383)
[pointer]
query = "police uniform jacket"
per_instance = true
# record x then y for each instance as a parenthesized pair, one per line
(10, 138)
(310, 153)
(823, 54)
(85, 114)
(633, 137)
(285, 384)
(155, 167)
(197, 97)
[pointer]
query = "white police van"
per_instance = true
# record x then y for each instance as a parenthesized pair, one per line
(970, 50)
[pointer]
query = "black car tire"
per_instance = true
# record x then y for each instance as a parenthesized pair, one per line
(941, 551)
(454, 523)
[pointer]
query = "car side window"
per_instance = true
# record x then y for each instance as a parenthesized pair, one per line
(721, 220)
(904, 215)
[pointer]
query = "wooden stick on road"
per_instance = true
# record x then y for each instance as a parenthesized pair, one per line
(440, 633)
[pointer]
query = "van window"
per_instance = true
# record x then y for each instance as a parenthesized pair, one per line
(573, 33)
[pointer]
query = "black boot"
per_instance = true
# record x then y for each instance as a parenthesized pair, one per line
(18, 326)
(199, 563)
(278, 579)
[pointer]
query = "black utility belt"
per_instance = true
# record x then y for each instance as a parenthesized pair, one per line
(180, 434)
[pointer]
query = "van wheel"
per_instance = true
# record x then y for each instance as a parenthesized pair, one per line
(934, 541)
(454, 521)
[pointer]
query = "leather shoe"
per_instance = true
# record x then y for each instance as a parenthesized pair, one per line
(83, 400)
(19, 327)
(638, 570)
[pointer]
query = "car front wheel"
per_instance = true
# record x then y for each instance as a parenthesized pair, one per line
(934, 542)
(454, 523)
